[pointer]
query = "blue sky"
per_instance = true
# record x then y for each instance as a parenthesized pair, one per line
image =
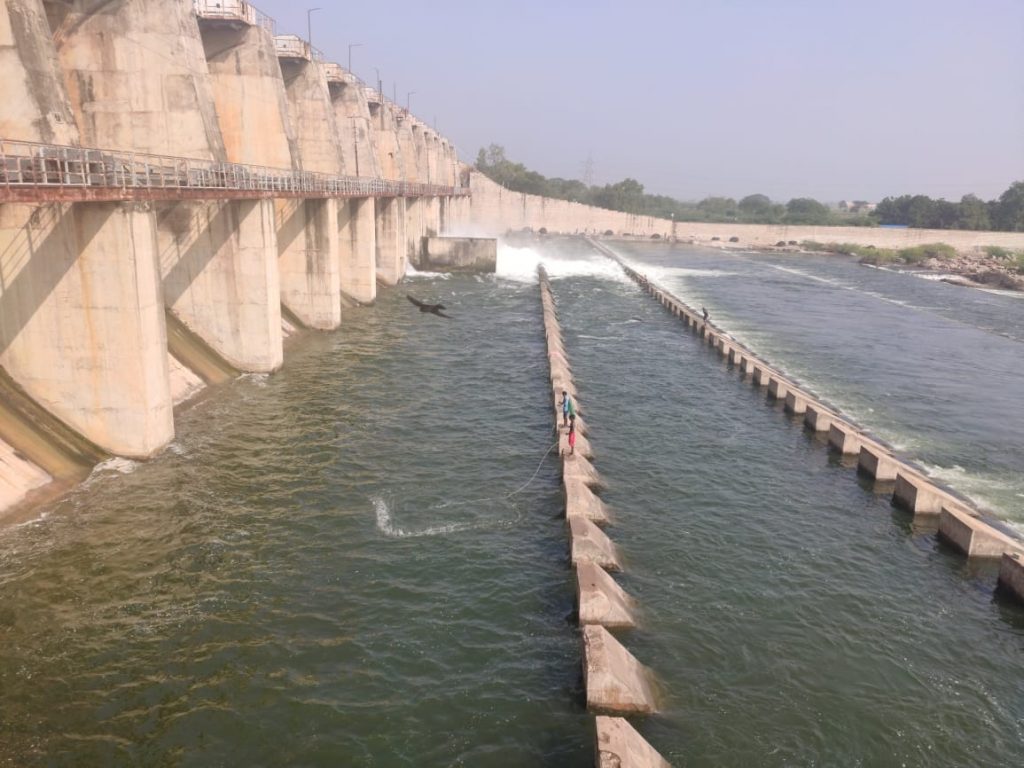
(709, 97)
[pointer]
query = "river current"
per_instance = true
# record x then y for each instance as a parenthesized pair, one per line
(360, 560)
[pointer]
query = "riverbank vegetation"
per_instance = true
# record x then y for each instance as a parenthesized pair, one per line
(1005, 213)
(997, 268)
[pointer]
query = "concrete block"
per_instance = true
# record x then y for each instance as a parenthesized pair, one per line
(818, 418)
(589, 544)
(844, 438)
(620, 746)
(916, 494)
(582, 502)
(578, 467)
(460, 254)
(615, 681)
(1011, 574)
(778, 387)
(735, 355)
(876, 461)
(796, 401)
(601, 600)
(966, 531)
(747, 364)
(761, 376)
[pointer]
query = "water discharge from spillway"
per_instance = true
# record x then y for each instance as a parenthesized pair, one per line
(330, 567)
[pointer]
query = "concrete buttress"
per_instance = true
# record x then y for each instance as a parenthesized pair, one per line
(138, 79)
(308, 230)
(81, 317)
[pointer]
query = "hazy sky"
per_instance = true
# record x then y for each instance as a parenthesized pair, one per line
(819, 98)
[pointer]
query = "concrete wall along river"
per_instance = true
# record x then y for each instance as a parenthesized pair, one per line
(616, 683)
(955, 520)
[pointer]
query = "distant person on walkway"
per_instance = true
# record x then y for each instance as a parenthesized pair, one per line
(568, 409)
(705, 311)
(572, 435)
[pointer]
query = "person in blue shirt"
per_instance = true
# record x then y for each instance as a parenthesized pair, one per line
(568, 409)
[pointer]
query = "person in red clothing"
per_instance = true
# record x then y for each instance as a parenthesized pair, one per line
(572, 435)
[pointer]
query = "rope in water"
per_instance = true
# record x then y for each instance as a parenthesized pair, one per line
(521, 488)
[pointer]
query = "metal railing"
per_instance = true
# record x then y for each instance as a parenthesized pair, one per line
(33, 172)
(234, 10)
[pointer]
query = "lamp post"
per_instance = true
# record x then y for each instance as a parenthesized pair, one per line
(309, 28)
(380, 83)
(350, 47)
(407, 97)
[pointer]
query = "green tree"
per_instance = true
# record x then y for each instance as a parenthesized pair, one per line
(718, 209)
(806, 210)
(972, 213)
(1009, 210)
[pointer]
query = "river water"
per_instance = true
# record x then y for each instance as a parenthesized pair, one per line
(360, 560)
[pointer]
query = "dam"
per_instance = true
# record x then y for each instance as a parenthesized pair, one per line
(262, 511)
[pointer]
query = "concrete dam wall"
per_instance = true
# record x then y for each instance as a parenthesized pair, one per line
(180, 184)
(494, 210)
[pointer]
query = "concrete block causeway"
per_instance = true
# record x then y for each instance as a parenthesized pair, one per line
(616, 682)
(589, 544)
(601, 600)
(620, 746)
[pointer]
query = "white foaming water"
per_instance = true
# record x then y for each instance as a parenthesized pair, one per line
(386, 525)
(520, 265)
(116, 464)
(411, 273)
(259, 379)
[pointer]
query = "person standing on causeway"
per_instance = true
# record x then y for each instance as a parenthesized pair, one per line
(568, 409)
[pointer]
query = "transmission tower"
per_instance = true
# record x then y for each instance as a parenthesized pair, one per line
(588, 170)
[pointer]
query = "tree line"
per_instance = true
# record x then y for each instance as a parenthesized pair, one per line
(1006, 213)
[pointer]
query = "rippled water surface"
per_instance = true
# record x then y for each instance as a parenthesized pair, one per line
(935, 369)
(326, 568)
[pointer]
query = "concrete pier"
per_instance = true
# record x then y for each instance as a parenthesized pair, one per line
(615, 681)
(761, 376)
(620, 746)
(966, 531)
(817, 418)
(875, 461)
(916, 494)
(307, 231)
(601, 600)
(392, 255)
(589, 544)
(357, 249)
(844, 438)
(778, 388)
(796, 402)
(104, 373)
(1011, 574)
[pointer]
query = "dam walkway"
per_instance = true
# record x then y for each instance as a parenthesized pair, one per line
(31, 172)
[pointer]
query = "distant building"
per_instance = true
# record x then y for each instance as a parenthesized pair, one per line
(856, 206)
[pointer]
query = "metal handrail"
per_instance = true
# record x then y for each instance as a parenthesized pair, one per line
(26, 164)
(234, 10)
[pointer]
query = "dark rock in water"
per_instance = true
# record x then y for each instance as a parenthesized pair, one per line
(996, 279)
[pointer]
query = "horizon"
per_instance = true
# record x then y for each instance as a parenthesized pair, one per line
(697, 101)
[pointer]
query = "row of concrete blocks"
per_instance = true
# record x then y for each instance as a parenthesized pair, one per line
(616, 683)
(960, 525)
